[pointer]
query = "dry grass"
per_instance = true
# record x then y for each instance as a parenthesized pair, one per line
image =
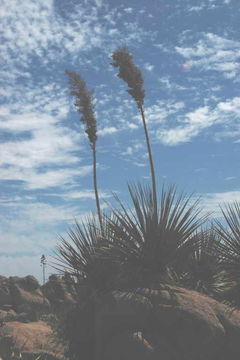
(35, 337)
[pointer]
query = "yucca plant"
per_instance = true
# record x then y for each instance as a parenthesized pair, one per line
(148, 246)
(139, 249)
(85, 106)
(230, 247)
(131, 74)
(81, 256)
(204, 268)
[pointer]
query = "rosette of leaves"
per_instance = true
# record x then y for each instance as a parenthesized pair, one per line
(150, 246)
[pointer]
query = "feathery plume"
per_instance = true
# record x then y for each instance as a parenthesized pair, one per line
(84, 104)
(129, 73)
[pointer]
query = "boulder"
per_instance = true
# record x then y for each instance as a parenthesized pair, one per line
(27, 295)
(168, 323)
(21, 294)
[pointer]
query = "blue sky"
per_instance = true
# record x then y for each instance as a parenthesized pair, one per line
(189, 54)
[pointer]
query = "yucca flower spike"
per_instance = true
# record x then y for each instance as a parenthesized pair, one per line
(129, 73)
(85, 106)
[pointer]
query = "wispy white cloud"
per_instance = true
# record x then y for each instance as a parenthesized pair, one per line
(38, 31)
(213, 52)
(227, 114)
(163, 47)
(197, 8)
(38, 140)
(170, 85)
(139, 164)
(80, 194)
(115, 113)
(36, 179)
(204, 5)
(26, 216)
(133, 149)
(128, 10)
(107, 130)
(148, 67)
(228, 178)
(212, 201)
(157, 114)
(135, 154)
(202, 169)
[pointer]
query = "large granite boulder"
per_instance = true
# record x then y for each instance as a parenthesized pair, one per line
(27, 295)
(168, 323)
(23, 298)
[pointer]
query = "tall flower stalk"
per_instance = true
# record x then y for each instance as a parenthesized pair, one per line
(131, 74)
(85, 106)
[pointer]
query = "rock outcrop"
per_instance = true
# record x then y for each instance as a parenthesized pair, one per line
(27, 295)
(22, 299)
(168, 323)
(22, 302)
